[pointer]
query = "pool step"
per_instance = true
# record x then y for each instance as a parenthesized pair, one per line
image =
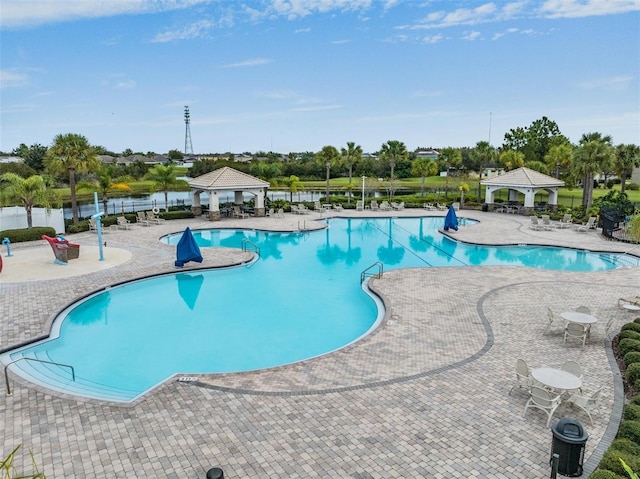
(60, 379)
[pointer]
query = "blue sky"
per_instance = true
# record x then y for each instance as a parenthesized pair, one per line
(296, 75)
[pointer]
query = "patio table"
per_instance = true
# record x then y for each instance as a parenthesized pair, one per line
(556, 379)
(577, 317)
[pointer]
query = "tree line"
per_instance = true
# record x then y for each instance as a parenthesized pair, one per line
(71, 160)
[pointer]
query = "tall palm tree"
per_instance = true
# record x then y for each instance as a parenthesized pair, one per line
(593, 155)
(294, 184)
(449, 158)
(350, 155)
(393, 151)
(71, 153)
(627, 157)
(164, 178)
(29, 192)
(328, 156)
(424, 167)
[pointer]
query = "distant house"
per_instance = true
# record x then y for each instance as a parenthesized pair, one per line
(11, 159)
(429, 154)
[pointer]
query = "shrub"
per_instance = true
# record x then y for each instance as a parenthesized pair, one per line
(627, 345)
(633, 186)
(628, 333)
(611, 461)
(632, 357)
(177, 215)
(605, 474)
(630, 430)
(625, 445)
(27, 234)
(631, 327)
(635, 400)
(632, 413)
(632, 374)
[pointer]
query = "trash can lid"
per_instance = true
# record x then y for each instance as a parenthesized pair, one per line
(569, 430)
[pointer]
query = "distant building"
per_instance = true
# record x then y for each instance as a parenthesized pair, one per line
(11, 159)
(429, 154)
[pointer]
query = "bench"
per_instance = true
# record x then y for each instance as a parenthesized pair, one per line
(62, 249)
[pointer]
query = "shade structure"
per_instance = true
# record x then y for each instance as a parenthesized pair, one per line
(451, 220)
(187, 249)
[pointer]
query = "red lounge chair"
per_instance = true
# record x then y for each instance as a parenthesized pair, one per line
(62, 249)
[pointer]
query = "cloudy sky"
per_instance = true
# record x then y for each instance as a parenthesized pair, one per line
(296, 75)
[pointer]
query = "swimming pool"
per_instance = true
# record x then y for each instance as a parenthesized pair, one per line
(302, 298)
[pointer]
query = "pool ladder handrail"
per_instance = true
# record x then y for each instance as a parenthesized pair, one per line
(254, 247)
(6, 370)
(368, 274)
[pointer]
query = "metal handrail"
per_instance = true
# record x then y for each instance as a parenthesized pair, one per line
(367, 274)
(255, 247)
(304, 225)
(6, 372)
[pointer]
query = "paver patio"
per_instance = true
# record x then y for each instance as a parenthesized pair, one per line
(424, 396)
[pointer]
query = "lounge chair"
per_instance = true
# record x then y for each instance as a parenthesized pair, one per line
(123, 223)
(566, 221)
(385, 206)
(535, 224)
(359, 205)
(440, 207)
(633, 300)
(152, 217)
(338, 207)
(318, 207)
(397, 206)
(546, 223)
(591, 224)
(373, 206)
(141, 218)
(428, 206)
(280, 213)
(93, 225)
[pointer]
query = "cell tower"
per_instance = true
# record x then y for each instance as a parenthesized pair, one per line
(188, 147)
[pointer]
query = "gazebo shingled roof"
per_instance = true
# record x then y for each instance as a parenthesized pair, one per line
(524, 177)
(227, 178)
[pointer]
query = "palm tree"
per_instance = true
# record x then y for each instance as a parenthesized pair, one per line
(393, 151)
(105, 183)
(29, 192)
(328, 156)
(164, 178)
(627, 157)
(424, 167)
(350, 155)
(71, 153)
(294, 184)
(594, 154)
(449, 158)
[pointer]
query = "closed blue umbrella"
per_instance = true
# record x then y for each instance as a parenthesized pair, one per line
(451, 220)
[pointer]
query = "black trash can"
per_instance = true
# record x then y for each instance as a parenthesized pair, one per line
(569, 439)
(485, 207)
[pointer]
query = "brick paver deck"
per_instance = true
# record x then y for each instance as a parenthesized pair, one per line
(424, 396)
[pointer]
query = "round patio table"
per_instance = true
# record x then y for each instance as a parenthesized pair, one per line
(577, 317)
(556, 378)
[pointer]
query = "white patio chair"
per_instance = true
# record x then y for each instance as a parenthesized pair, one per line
(588, 225)
(359, 205)
(572, 367)
(280, 213)
(575, 331)
(93, 225)
(583, 309)
(373, 206)
(551, 317)
(123, 223)
(543, 400)
(588, 401)
(523, 376)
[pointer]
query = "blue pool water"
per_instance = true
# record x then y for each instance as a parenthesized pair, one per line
(301, 298)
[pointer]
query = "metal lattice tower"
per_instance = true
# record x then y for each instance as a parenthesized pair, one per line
(188, 146)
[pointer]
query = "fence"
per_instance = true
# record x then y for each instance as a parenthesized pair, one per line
(15, 217)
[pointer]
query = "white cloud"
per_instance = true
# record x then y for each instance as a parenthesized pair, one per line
(426, 94)
(339, 42)
(433, 39)
(293, 9)
(249, 63)
(612, 84)
(195, 30)
(588, 8)
(126, 85)
(474, 35)
(21, 13)
(12, 80)
(302, 30)
(317, 108)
